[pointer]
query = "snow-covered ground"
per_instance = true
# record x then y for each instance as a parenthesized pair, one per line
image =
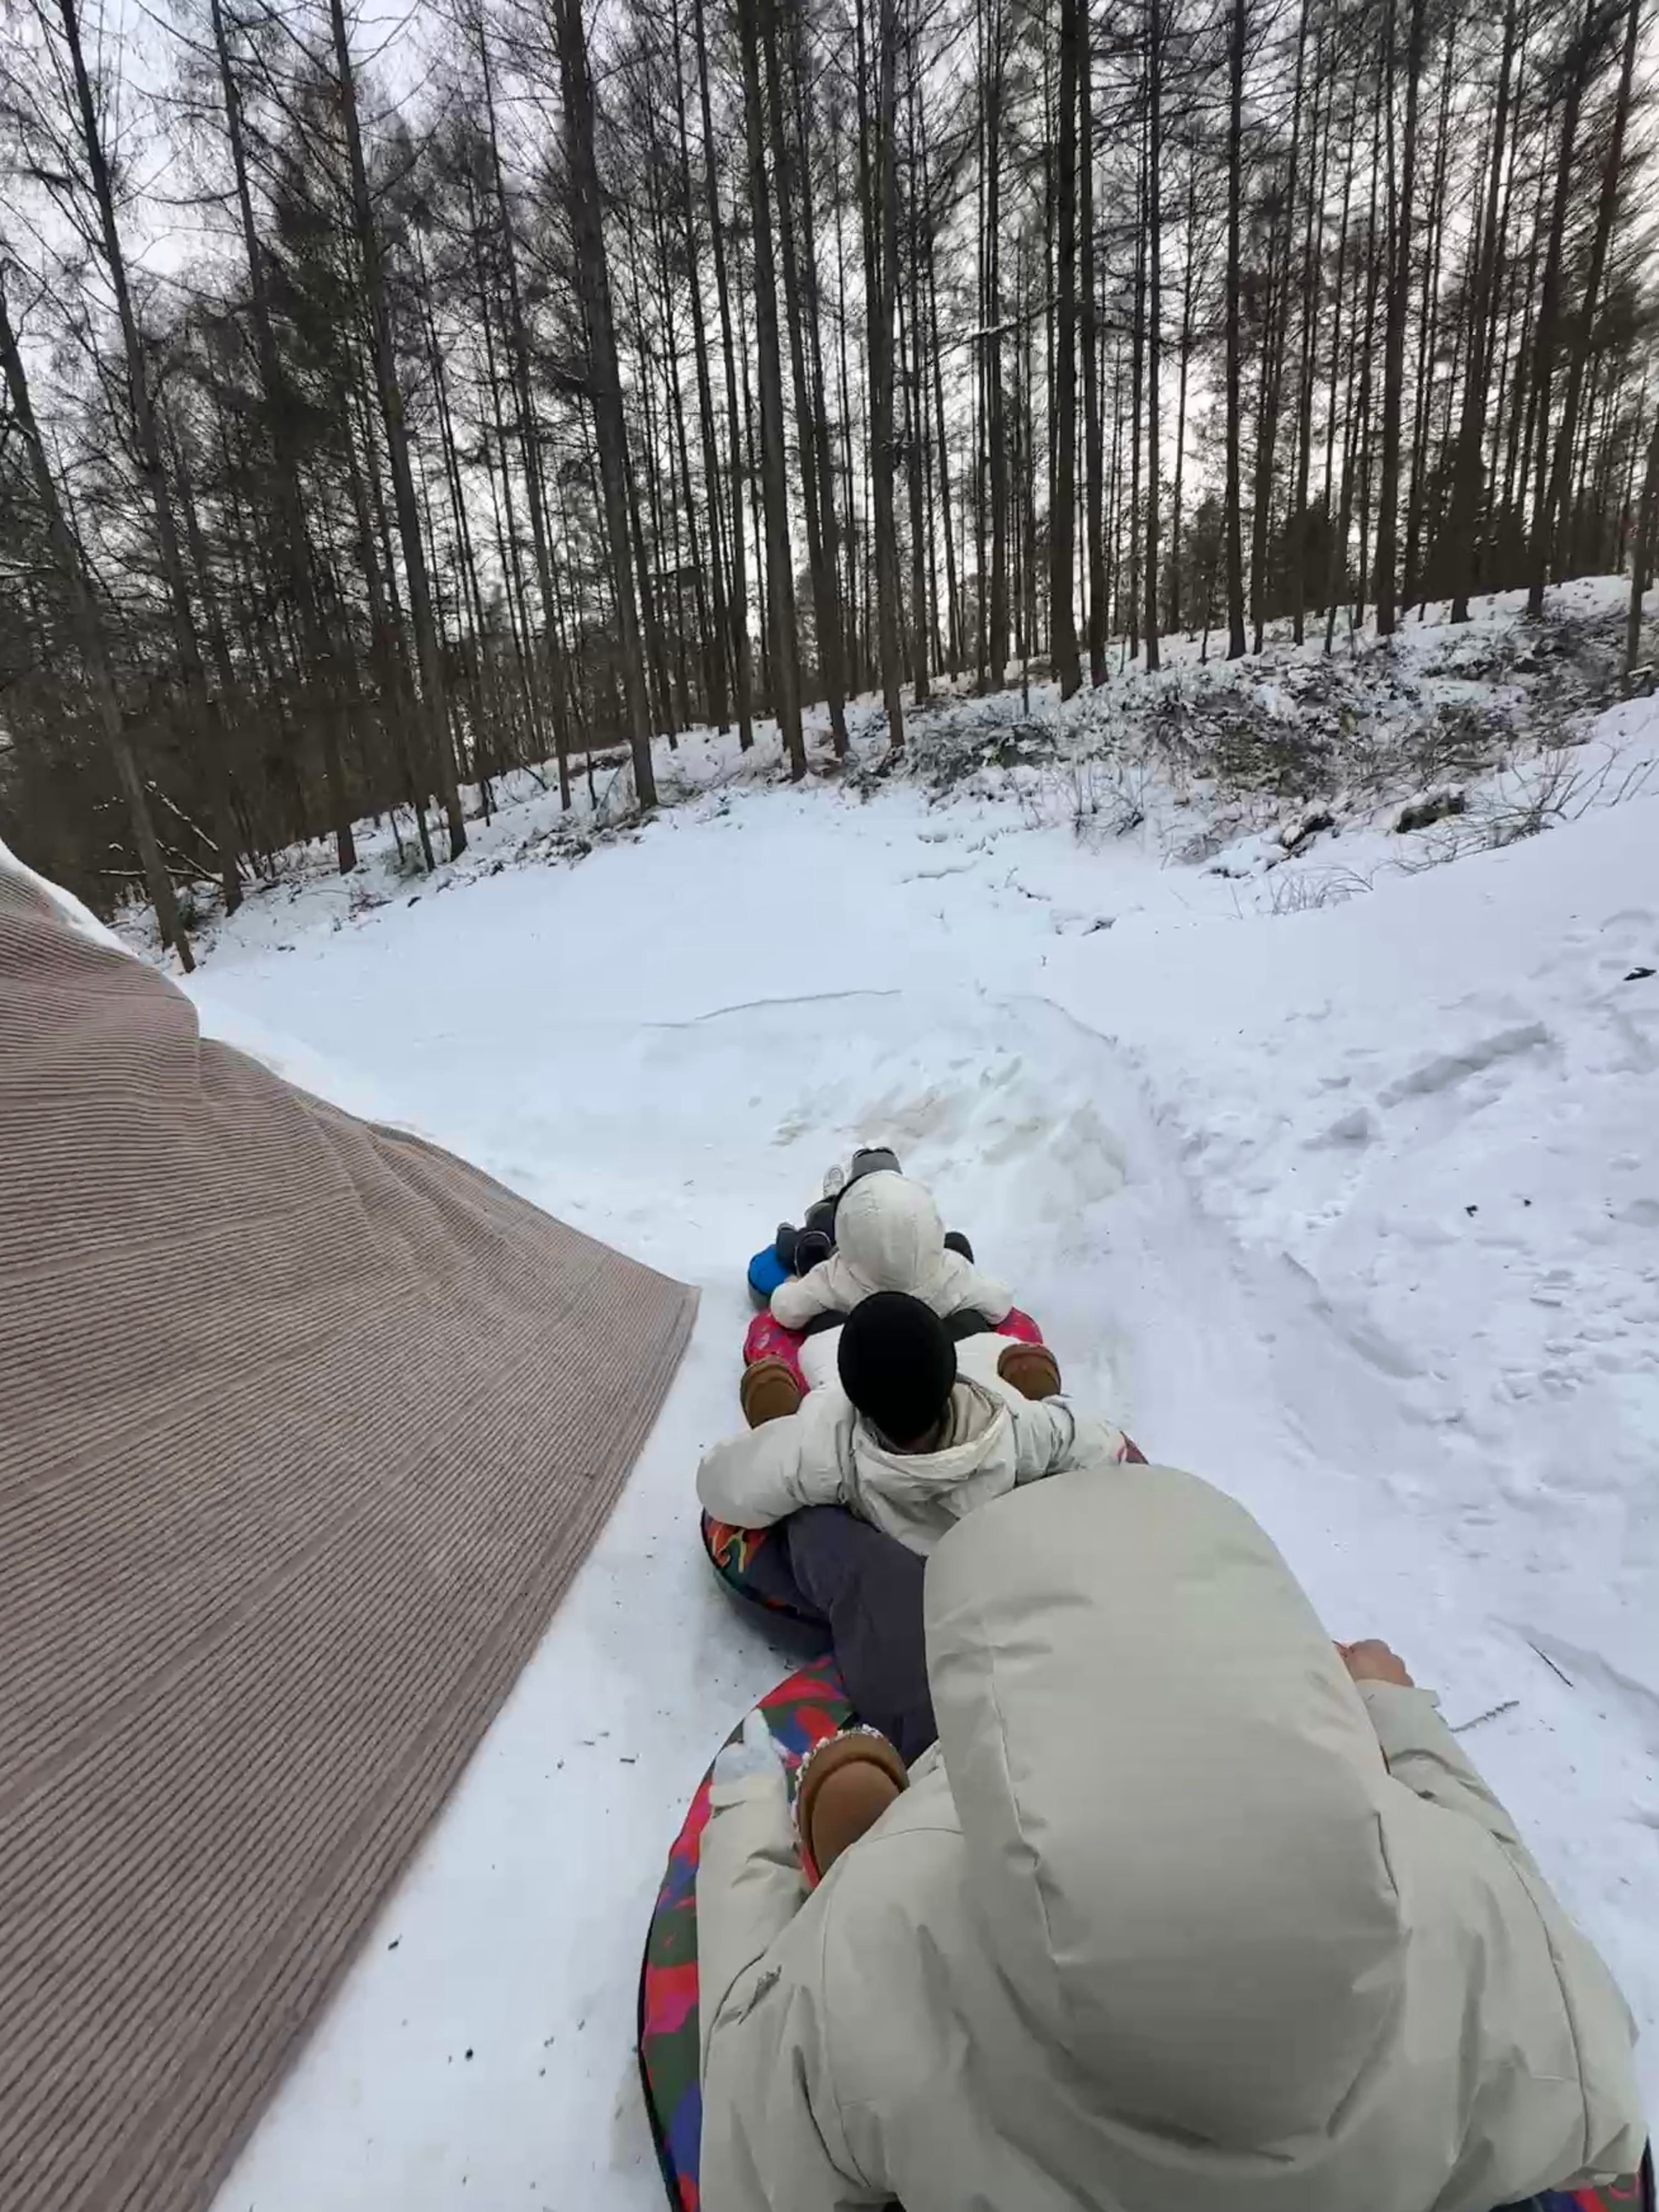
(1347, 1198)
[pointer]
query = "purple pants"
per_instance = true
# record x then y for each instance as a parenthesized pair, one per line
(866, 1588)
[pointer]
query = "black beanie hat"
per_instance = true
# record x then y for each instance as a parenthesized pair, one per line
(898, 1364)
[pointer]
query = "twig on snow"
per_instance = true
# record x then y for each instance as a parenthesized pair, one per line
(1491, 1714)
(1550, 1664)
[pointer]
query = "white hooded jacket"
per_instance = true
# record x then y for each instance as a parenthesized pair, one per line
(828, 1454)
(1174, 1919)
(889, 1237)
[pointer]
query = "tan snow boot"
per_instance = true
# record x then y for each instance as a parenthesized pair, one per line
(1031, 1368)
(768, 1391)
(847, 1783)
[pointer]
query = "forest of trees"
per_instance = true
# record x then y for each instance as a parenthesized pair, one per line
(389, 403)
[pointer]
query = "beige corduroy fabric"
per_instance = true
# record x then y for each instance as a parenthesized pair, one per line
(304, 1427)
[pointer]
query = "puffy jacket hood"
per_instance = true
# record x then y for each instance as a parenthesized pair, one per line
(889, 1231)
(1169, 1793)
(889, 1237)
(979, 1460)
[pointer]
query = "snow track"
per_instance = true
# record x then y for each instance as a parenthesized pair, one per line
(1354, 1211)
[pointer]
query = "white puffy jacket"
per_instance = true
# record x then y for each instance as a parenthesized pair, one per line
(1174, 1919)
(889, 1237)
(829, 1455)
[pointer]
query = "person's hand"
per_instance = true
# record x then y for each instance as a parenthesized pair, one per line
(752, 1756)
(1371, 1661)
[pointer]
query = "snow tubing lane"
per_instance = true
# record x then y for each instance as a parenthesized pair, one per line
(805, 1707)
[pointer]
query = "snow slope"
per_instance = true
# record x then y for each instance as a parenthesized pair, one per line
(1355, 1210)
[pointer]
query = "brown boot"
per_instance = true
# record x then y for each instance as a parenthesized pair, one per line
(1031, 1368)
(768, 1390)
(847, 1783)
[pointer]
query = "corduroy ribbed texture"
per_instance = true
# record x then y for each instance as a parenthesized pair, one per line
(304, 1427)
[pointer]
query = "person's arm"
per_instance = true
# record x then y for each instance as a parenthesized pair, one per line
(768, 1473)
(750, 1883)
(1422, 1753)
(763, 2146)
(822, 1289)
(964, 1288)
(1051, 1438)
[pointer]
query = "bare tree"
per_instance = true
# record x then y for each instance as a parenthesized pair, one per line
(88, 632)
(604, 376)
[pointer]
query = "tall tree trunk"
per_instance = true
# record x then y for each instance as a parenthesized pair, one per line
(649, 567)
(226, 837)
(1428, 325)
(203, 709)
(752, 477)
(916, 418)
(1137, 374)
(605, 376)
(1354, 436)
(1318, 181)
(372, 256)
(680, 450)
(529, 427)
(820, 552)
(90, 643)
(1115, 487)
(385, 616)
(1399, 302)
(1329, 495)
(1093, 454)
(1501, 317)
(739, 609)
(1548, 335)
(1272, 351)
(995, 428)
(855, 662)
(981, 356)
(954, 653)
(775, 483)
(1188, 286)
(1154, 352)
(716, 646)
(1025, 431)
(508, 530)
(1557, 505)
(1062, 565)
(823, 448)
(879, 180)
(1240, 24)
(1641, 569)
(1517, 461)
(1465, 461)
(472, 613)
(294, 543)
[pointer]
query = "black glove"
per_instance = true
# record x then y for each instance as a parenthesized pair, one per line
(812, 1245)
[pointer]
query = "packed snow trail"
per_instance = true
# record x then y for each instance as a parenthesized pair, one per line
(1353, 1211)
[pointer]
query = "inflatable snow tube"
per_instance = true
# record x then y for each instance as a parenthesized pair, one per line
(766, 1271)
(767, 1338)
(759, 1582)
(805, 1707)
